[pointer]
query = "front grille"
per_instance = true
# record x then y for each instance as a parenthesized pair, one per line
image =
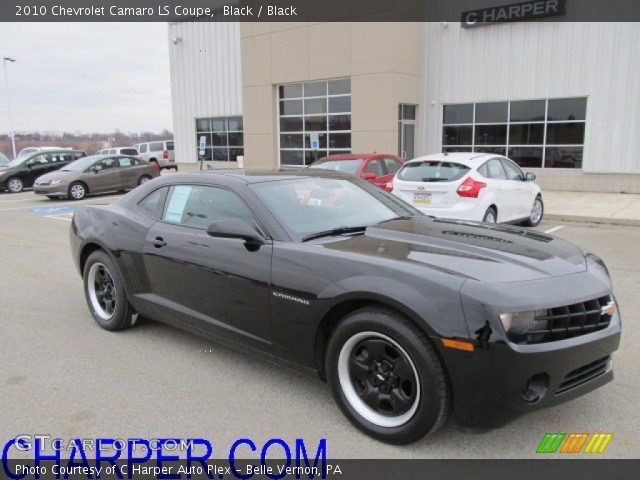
(584, 374)
(43, 183)
(570, 321)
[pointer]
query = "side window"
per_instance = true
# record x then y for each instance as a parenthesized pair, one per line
(494, 167)
(40, 160)
(198, 206)
(143, 148)
(513, 172)
(392, 165)
(128, 151)
(374, 166)
(126, 161)
(156, 147)
(77, 155)
(107, 163)
(153, 203)
(482, 170)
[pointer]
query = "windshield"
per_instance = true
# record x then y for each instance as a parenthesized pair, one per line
(432, 171)
(311, 205)
(80, 165)
(346, 166)
(17, 161)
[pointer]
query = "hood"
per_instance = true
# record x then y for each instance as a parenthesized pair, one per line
(57, 174)
(476, 251)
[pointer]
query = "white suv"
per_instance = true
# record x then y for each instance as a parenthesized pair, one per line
(160, 152)
(470, 186)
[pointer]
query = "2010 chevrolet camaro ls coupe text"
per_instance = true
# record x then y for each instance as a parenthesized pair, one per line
(406, 316)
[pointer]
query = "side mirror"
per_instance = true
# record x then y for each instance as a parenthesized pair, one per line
(529, 177)
(369, 176)
(234, 228)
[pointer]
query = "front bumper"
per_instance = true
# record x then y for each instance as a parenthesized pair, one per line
(60, 189)
(488, 384)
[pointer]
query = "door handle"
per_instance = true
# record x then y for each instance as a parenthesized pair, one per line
(159, 242)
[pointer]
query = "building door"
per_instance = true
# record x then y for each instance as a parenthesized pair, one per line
(406, 130)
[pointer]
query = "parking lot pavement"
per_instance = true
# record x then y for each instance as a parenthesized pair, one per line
(62, 375)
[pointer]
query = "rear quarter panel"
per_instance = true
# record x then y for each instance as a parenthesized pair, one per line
(121, 233)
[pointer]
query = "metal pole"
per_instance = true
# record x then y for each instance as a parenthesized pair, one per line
(6, 81)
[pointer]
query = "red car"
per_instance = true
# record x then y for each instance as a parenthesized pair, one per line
(377, 168)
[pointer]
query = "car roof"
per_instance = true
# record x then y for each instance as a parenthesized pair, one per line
(252, 176)
(469, 159)
(354, 156)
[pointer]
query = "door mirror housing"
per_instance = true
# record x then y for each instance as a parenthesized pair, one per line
(529, 177)
(369, 176)
(234, 228)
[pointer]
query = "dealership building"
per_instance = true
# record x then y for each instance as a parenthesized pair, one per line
(562, 99)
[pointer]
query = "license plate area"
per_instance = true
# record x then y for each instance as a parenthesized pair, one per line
(421, 198)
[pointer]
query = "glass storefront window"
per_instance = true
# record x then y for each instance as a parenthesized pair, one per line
(322, 108)
(223, 138)
(534, 133)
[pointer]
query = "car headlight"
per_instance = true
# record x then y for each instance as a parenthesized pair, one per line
(594, 259)
(59, 181)
(518, 325)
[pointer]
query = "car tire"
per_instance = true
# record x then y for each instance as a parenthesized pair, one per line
(537, 212)
(143, 179)
(378, 350)
(104, 293)
(14, 185)
(77, 191)
(490, 216)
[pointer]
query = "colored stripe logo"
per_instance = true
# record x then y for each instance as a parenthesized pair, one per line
(574, 443)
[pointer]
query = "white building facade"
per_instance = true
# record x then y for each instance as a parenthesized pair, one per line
(562, 99)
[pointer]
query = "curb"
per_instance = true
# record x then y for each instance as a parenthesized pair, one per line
(599, 220)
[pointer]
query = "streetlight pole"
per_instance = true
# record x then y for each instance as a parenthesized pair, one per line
(6, 82)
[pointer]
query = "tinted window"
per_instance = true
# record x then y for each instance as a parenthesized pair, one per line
(375, 167)
(154, 202)
(199, 206)
(526, 156)
(432, 171)
(513, 172)
(143, 148)
(458, 113)
(495, 170)
(128, 151)
(567, 109)
(169, 145)
(77, 155)
(392, 165)
(156, 146)
(527, 111)
(491, 134)
(495, 112)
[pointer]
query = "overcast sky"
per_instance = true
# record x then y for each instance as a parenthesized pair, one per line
(91, 77)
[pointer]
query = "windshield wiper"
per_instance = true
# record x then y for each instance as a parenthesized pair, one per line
(335, 231)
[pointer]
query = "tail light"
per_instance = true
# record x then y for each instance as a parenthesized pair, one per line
(388, 187)
(165, 154)
(470, 188)
(155, 165)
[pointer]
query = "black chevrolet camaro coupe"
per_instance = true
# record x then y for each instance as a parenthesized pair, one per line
(406, 316)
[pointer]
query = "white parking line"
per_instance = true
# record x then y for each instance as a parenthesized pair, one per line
(57, 217)
(554, 229)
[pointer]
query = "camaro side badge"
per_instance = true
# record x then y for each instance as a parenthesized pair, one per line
(291, 298)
